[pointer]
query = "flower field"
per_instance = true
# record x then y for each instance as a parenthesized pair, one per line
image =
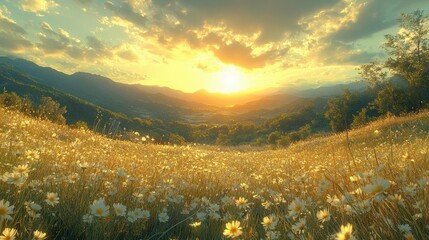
(61, 183)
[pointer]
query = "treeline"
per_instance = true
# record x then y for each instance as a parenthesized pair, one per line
(398, 85)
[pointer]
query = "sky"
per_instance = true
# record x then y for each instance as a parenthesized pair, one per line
(217, 45)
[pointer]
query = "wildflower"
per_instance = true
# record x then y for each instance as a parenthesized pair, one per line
(299, 227)
(346, 233)
(119, 209)
(8, 234)
(296, 206)
(22, 169)
(201, 216)
(38, 235)
(132, 216)
(270, 222)
(32, 208)
(163, 217)
(52, 198)
(233, 229)
(378, 185)
(195, 224)
(15, 178)
(272, 235)
(404, 228)
(6, 210)
(88, 218)
(397, 199)
(145, 214)
(241, 203)
(323, 215)
(99, 208)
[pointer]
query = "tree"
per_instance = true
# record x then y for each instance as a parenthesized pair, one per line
(408, 50)
(337, 111)
(51, 110)
(361, 119)
(408, 58)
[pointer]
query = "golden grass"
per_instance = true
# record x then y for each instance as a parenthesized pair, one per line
(355, 181)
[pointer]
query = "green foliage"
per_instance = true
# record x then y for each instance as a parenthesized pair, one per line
(408, 59)
(408, 50)
(51, 110)
(337, 111)
(361, 119)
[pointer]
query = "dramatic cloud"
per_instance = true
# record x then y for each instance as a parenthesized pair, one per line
(12, 36)
(375, 16)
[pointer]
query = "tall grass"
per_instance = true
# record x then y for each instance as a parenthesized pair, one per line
(378, 185)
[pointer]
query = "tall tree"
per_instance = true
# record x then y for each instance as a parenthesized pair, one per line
(408, 50)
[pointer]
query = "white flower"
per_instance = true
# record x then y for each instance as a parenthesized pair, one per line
(163, 217)
(5, 210)
(99, 208)
(52, 198)
(119, 209)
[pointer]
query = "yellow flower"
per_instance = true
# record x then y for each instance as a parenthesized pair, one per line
(8, 234)
(195, 224)
(233, 229)
(270, 222)
(52, 198)
(241, 202)
(346, 233)
(323, 215)
(38, 235)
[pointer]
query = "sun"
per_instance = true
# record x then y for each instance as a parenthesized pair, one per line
(230, 80)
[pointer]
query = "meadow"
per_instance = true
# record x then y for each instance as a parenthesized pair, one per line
(62, 183)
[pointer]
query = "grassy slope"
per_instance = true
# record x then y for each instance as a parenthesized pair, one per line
(174, 179)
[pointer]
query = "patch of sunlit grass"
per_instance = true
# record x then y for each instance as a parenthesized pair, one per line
(77, 184)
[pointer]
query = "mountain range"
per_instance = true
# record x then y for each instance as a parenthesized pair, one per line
(135, 100)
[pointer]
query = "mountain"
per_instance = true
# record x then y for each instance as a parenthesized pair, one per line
(135, 100)
(105, 92)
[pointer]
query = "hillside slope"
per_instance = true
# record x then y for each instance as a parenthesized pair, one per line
(375, 182)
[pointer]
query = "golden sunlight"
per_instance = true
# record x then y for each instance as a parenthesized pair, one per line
(230, 80)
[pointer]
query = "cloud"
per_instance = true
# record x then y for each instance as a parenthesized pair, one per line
(230, 29)
(128, 55)
(240, 55)
(37, 5)
(59, 43)
(12, 36)
(126, 12)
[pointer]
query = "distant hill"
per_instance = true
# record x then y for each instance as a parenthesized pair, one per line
(135, 100)
(106, 93)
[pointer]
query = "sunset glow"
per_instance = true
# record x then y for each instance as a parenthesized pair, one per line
(219, 46)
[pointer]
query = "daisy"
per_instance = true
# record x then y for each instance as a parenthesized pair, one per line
(163, 217)
(378, 185)
(6, 210)
(299, 227)
(8, 234)
(52, 198)
(323, 215)
(346, 233)
(119, 209)
(38, 235)
(241, 202)
(233, 229)
(296, 206)
(270, 222)
(88, 218)
(99, 208)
